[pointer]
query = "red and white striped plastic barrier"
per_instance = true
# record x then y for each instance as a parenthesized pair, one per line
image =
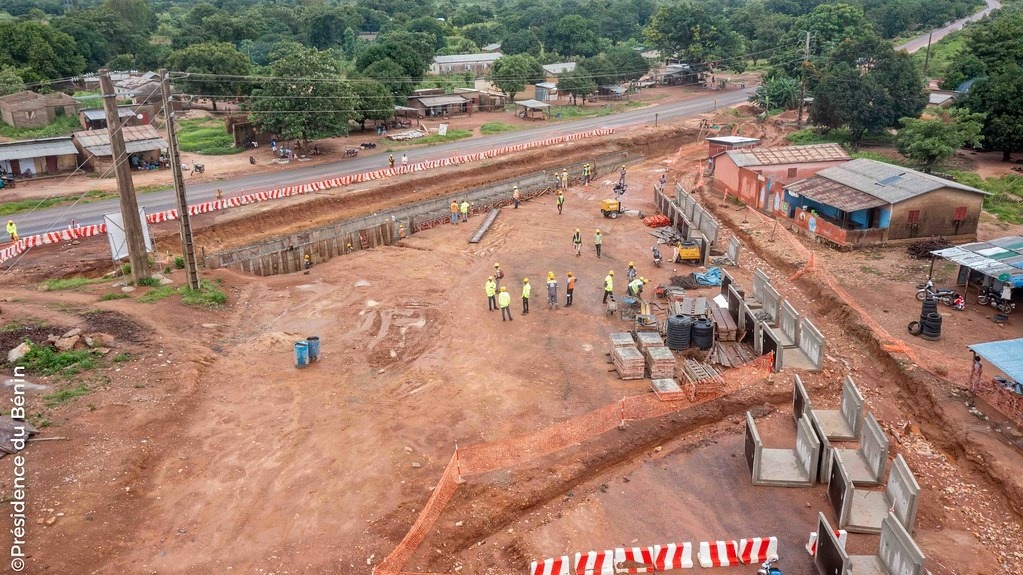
(644, 556)
(811, 545)
(556, 566)
(595, 563)
(672, 556)
(719, 553)
(757, 549)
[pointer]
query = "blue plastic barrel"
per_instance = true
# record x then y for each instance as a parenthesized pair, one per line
(314, 347)
(301, 354)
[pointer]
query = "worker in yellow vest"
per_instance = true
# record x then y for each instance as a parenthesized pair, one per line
(609, 286)
(504, 300)
(12, 230)
(526, 290)
(491, 289)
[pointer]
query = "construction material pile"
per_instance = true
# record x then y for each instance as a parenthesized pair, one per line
(629, 363)
(661, 362)
(922, 250)
(667, 389)
(658, 221)
(701, 380)
(648, 339)
(684, 282)
(621, 339)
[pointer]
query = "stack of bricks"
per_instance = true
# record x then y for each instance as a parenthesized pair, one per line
(648, 339)
(629, 362)
(621, 339)
(661, 362)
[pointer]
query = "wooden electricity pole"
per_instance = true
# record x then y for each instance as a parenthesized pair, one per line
(802, 77)
(134, 239)
(187, 247)
(927, 56)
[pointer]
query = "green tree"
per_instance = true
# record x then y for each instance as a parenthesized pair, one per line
(931, 140)
(325, 25)
(999, 97)
(511, 74)
(431, 27)
(572, 35)
(458, 45)
(779, 92)
(211, 69)
(694, 34)
(628, 64)
(832, 24)
(10, 80)
(373, 101)
(521, 42)
(303, 96)
(577, 83)
(39, 51)
(413, 51)
(998, 42)
(392, 76)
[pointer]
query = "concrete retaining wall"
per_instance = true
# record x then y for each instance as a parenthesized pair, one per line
(811, 343)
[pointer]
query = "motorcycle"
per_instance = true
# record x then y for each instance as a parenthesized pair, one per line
(351, 152)
(768, 568)
(927, 290)
(7, 182)
(991, 296)
(657, 256)
(367, 145)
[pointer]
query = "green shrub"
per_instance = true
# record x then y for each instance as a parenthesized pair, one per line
(156, 294)
(208, 295)
(68, 283)
(179, 262)
(149, 282)
(66, 394)
(206, 136)
(114, 295)
(48, 361)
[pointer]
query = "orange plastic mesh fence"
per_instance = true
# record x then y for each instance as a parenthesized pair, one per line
(487, 457)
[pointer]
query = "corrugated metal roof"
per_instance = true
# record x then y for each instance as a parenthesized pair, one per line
(132, 147)
(532, 104)
(432, 101)
(899, 184)
(94, 114)
(466, 58)
(732, 140)
(789, 155)
(90, 138)
(834, 194)
(559, 68)
(1006, 355)
(1001, 259)
(37, 149)
(547, 85)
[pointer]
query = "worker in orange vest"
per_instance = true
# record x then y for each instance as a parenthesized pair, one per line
(569, 289)
(454, 212)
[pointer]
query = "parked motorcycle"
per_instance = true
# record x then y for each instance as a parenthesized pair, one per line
(768, 568)
(991, 296)
(351, 152)
(657, 257)
(7, 182)
(367, 145)
(927, 290)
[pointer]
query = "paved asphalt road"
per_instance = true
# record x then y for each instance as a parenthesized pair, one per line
(56, 218)
(920, 42)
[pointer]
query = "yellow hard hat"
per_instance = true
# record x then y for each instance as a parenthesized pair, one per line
(490, 278)
(646, 281)
(569, 274)
(611, 273)
(497, 265)
(307, 256)
(577, 230)
(598, 231)
(504, 288)
(525, 280)
(10, 221)
(550, 275)
(632, 264)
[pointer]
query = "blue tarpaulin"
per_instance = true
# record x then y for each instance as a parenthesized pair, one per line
(711, 277)
(1006, 356)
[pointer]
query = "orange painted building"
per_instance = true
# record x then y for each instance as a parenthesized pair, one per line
(752, 174)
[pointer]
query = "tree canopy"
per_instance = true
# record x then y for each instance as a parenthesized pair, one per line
(930, 140)
(694, 34)
(998, 97)
(213, 69)
(511, 74)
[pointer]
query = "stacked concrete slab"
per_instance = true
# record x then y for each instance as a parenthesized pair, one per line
(629, 363)
(621, 339)
(648, 339)
(660, 362)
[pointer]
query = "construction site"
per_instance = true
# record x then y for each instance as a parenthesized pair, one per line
(758, 390)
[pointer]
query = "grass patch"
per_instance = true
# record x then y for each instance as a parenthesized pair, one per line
(497, 128)
(206, 136)
(64, 395)
(121, 358)
(48, 361)
(562, 113)
(8, 208)
(156, 294)
(896, 159)
(1006, 199)
(60, 127)
(149, 282)
(208, 295)
(152, 188)
(114, 295)
(68, 283)
(451, 136)
(942, 54)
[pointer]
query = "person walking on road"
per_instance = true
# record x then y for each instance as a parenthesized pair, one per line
(598, 240)
(564, 179)
(569, 289)
(586, 174)
(464, 208)
(12, 230)
(526, 290)
(552, 291)
(390, 161)
(577, 241)
(404, 160)
(621, 178)
(491, 288)
(515, 197)
(609, 286)
(504, 300)
(498, 274)
(561, 201)
(454, 212)
(631, 273)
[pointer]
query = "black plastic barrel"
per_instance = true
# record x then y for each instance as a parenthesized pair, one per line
(679, 332)
(703, 333)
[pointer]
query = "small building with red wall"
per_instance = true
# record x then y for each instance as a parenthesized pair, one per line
(719, 144)
(751, 174)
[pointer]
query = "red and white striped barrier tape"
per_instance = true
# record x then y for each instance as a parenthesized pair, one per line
(719, 553)
(556, 566)
(811, 545)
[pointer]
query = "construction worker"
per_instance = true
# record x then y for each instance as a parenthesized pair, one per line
(454, 212)
(569, 288)
(464, 208)
(621, 178)
(308, 261)
(516, 197)
(402, 234)
(498, 274)
(564, 179)
(390, 161)
(404, 160)
(12, 230)
(552, 291)
(504, 300)
(609, 286)
(631, 273)
(561, 201)
(598, 240)
(491, 288)
(220, 194)
(586, 174)
(577, 241)
(634, 287)
(526, 290)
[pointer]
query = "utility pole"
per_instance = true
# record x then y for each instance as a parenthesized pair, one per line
(927, 56)
(187, 247)
(134, 239)
(802, 79)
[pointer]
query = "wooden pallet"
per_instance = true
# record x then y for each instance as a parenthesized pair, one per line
(701, 380)
(724, 324)
(730, 354)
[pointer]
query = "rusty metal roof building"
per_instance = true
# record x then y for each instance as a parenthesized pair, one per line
(825, 191)
(788, 155)
(136, 139)
(37, 148)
